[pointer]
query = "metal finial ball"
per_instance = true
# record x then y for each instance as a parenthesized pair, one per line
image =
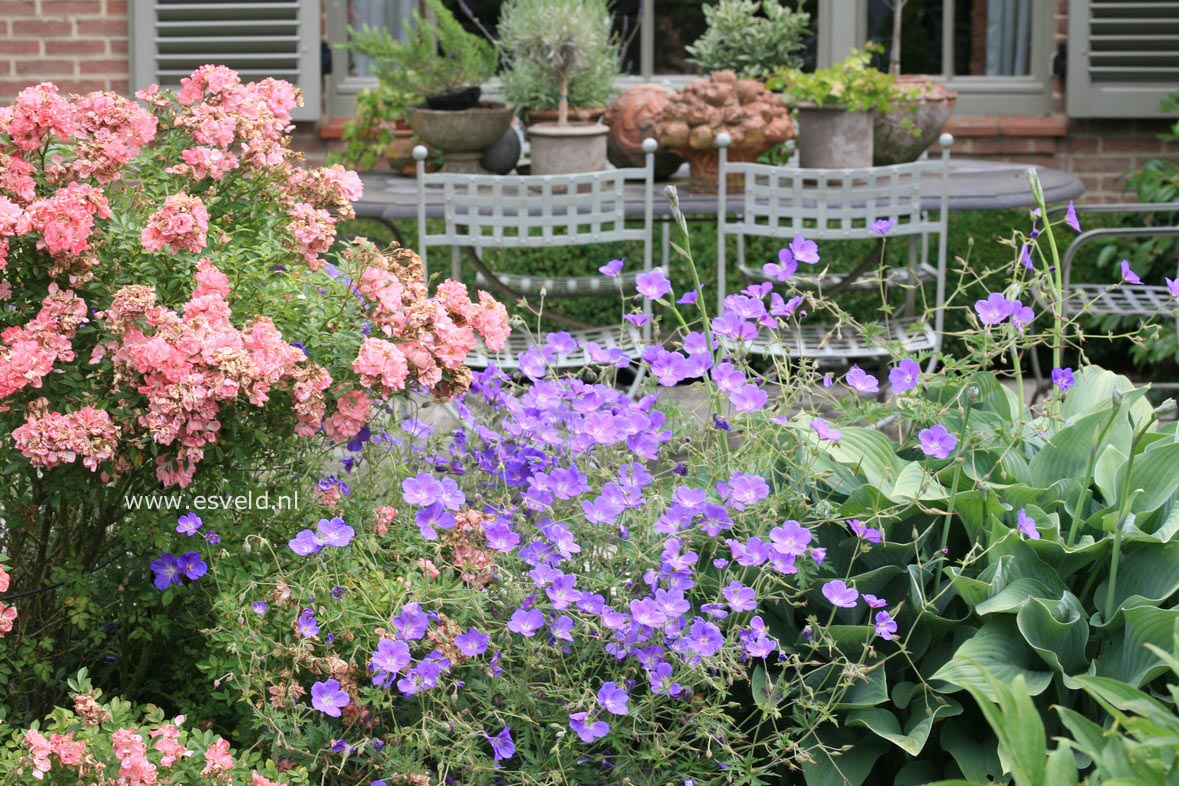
(723, 139)
(946, 140)
(650, 145)
(420, 152)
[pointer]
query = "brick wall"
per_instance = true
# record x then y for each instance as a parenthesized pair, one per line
(79, 44)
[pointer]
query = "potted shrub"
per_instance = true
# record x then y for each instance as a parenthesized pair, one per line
(835, 107)
(379, 131)
(743, 108)
(531, 85)
(444, 65)
(752, 46)
(552, 46)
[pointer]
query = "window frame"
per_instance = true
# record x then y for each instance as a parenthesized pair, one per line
(977, 95)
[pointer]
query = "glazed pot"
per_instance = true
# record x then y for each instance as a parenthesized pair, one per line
(902, 134)
(568, 149)
(830, 137)
(461, 136)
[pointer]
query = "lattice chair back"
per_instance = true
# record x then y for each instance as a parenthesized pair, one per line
(482, 212)
(836, 204)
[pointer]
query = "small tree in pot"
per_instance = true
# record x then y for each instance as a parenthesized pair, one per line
(560, 43)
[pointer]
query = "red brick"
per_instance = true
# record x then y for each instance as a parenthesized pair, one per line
(104, 66)
(70, 7)
(41, 27)
(1032, 126)
(42, 67)
(1117, 164)
(120, 86)
(103, 27)
(1075, 143)
(15, 8)
(116, 7)
(118, 46)
(1131, 144)
(20, 46)
(73, 46)
(1091, 182)
(1002, 146)
(973, 125)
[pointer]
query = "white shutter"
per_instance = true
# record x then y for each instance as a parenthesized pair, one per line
(1123, 56)
(257, 38)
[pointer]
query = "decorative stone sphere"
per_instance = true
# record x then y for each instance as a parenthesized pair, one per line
(632, 118)
(502, 157)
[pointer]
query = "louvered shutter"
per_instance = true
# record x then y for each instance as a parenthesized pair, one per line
(1123, 56)
(257, 38)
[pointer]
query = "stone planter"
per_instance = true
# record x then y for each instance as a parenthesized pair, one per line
(461, 136)
(831, 137)
(904, 133)
(632, 118)
(568, 149)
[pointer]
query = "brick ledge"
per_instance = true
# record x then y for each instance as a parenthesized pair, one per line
(331, 127)
(971, 126)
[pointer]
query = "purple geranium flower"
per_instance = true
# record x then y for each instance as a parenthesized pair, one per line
(1070, 217)
(612, 268)
(502, 746)
(587, 730)
(613, 698)
(703, 638)
(305, 543)
(526, 622)
(1027, 525)
(839, 594)
(1021, 315)
(167, 569)
(260, 607)
(188, 524)
(1128, 275)
(885, 625)
(335, 532)
(994, 309)
(1172, 286)
(904, 376)
(1063, 378)
(740, 597)
(748, 398)
(881, 226)
(862, 382)
(826, 431)
(653, 285)
(421, 490)
(874, 602)
(389, 658)
(328, 698)
(411, 623)
(1025, 256)
(937, 442)
(193, 566)
(306, 625)
(870, 534)
(784, 268)
(806, 251)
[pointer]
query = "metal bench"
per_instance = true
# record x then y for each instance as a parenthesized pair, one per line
(483, 212)
(842, 204)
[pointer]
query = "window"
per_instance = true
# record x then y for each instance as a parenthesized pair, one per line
(995, 53)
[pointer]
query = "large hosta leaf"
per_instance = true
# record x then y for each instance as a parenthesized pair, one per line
(849, 768)
(924, 709)
(1022, 743)
(974, 748)
(1128, 660)
(1057, 631)
(1094, 391)
(1150, 571)
(1154, 472)
(999, 648)
(1067, 455)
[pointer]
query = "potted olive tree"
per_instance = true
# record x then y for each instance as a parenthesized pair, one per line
(552, 47)
(445, 66)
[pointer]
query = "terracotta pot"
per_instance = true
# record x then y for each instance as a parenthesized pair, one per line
(399, 152)
(584, 114)
(632, 118)
(705, 166)
(904, 133)
(830, 137)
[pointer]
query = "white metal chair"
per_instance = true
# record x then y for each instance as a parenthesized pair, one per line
(842, 204)
(483, 212)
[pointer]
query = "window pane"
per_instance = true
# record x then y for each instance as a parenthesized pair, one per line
(372, 13)
(921, 34)
(992, 37)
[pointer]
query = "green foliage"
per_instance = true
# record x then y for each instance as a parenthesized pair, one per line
(548, 42)
(753, 45)
(439, 57)
(851, 84)
(370, 131)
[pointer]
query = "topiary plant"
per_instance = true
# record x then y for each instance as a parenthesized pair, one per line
(558, 53)
(753, 46)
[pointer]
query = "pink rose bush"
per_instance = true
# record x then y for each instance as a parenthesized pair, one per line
(176, 305)
(96, 742)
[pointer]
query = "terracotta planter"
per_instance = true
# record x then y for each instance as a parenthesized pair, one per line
(705, 166)
(831, 137)
(632, 118)
(585, 114)
(904, 133)
(568, 149)
(461, 136)
(399, 152)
